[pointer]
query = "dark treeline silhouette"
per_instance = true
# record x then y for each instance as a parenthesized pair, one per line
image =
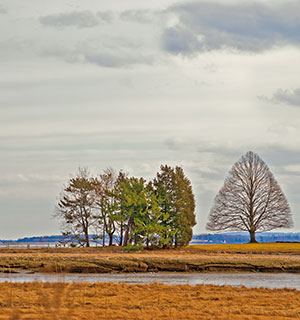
(128, 210)
(244, 237)
(230, 237)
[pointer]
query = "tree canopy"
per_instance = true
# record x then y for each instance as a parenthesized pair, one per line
(129, 210)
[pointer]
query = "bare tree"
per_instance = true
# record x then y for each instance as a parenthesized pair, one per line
(250, 200)
(75, 207)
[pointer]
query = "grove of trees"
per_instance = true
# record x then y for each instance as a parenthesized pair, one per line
(128, 210)
(250, 200)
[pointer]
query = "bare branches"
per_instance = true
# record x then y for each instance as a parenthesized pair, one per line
(76, 205)
(250, 200)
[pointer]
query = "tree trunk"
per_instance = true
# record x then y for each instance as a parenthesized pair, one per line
(252, 236)
(126, 238)
(87, 240)
(110, 239)
(103, 237)
(175, 242)
(128, 231)
(121, 235)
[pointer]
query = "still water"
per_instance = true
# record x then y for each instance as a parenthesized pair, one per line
(267, 280)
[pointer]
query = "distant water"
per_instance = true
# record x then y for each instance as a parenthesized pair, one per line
(250, 280)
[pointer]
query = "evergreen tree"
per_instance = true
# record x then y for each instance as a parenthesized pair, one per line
(177, 205)
(147, 224)
(164, 189)
(184, 207)
(133, 204)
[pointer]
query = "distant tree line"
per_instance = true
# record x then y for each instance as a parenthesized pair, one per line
(158, 213)
(243, 237)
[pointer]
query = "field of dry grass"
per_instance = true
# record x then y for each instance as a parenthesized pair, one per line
(63, 301)
(274, 257)
(265, 248)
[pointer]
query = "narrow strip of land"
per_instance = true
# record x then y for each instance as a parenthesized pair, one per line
(221, 258)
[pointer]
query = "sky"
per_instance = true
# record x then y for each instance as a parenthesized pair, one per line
(136, 84)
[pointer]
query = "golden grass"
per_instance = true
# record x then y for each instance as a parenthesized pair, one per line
(226, 248)
(64, 301)
(247, 248)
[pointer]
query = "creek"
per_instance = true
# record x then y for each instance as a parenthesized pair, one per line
(250, 280)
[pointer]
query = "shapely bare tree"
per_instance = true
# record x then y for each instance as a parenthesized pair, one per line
(250, 200)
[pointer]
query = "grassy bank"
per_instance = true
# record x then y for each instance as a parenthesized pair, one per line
(152, 301)
(220, 258)
(265, 248)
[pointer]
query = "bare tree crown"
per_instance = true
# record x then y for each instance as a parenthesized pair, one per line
(250, 199)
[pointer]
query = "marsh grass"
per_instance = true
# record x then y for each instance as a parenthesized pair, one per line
(86, 301)
(250, 248)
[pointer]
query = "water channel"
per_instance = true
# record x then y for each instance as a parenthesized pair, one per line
(250, 280)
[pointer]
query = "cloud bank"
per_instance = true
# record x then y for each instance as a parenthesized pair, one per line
(289, 97)
(249, 27)
(79, 19)
(2, 10)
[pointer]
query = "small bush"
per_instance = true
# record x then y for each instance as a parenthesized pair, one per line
(133, 247)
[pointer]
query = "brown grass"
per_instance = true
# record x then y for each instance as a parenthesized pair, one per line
(63, 301)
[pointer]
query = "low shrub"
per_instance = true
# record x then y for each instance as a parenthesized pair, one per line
(133, 247)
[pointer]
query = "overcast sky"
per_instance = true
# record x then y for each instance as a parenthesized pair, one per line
(135, 84)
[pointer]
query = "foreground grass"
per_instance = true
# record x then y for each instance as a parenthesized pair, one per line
(275, 257)
(152, 301)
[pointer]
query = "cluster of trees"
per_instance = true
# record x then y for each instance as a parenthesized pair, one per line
(159, 213)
